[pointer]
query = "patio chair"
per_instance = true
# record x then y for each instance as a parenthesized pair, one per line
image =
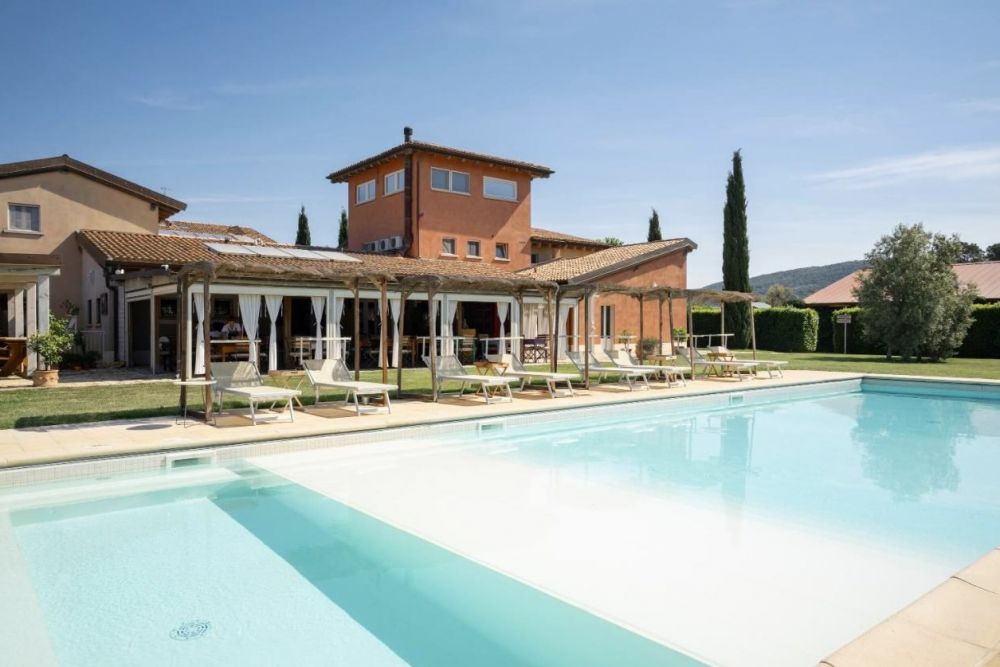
(633, 377)
(516, 369)
(241, 378)
(450, 369)
(772, 366)
(720, 367)
(334, 374)
(672, 374)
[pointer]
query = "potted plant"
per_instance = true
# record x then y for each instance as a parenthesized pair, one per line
(50, 345)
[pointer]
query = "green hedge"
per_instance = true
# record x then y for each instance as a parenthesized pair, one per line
(787, 329)
(983, 339)
(778, 329)
(824, 339)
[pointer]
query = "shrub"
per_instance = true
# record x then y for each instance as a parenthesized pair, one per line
(52, 344)
(650, 346)
(86, 359)
(983, 339)
(787, 329)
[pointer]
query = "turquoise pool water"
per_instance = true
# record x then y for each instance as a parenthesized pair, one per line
(768, 532)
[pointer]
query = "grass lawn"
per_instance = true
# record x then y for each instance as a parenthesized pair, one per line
(23, 408)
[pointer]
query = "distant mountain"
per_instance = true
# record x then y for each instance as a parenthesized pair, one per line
(803, 281)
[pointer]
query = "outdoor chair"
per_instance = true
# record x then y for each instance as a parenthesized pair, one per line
(552, 380)
(672, 374)
(696, 359)
(241, 378)
(772, 366)
(334, 374)
(450, 369)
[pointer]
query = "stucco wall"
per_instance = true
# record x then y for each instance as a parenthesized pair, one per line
(69, 202)
(377, 219)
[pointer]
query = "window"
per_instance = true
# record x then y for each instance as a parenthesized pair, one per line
(607, 321)
(24, 218)
(498, 188)
(501, 251)
(449, 181)
(90, 312)
(535, 258)
(472, 249)
(447, 246)
(366, 191)
(393, 183)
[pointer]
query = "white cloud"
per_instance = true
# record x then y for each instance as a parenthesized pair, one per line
(269, 87)
(164, 98)
(953, 164)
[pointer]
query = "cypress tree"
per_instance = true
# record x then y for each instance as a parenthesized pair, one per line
(736, 254)
(654, 227)
(302, 236)
(342, 233)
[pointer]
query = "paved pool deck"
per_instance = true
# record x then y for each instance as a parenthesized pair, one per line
(955, 624)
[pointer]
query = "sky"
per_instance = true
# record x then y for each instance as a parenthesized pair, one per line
(852, 117)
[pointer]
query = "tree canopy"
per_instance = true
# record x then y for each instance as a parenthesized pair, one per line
(302, 236)
(342, 232)
(779, 295)
(654, 228)
(993, 252)
(612, 241)
(736, 252)
(970, 252)
(910, 298)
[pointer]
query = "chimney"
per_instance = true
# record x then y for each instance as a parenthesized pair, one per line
(407, 134)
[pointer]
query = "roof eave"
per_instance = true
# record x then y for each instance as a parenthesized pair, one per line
(685, 244)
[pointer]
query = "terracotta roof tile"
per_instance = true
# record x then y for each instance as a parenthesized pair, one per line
(984, 275)
(604, 262)
(341, 175)
(549, 236)
(167, 204)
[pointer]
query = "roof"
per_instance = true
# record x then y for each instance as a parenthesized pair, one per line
(342, 175)
(151, 250)
(605, 262)
(167, 205)
(559, 238)
(984, 275)
(185, 227)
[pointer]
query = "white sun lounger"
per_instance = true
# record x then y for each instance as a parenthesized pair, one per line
(241, 378)
(672, 374)
(772, 366)
(450, 369)
(718, 366)
(552, 380)
(333, 374)
(635, 378)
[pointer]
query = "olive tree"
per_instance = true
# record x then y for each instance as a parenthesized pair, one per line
(911, 300)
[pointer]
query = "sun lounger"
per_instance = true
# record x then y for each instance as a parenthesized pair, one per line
(635, 378)
(241, 378)
(450, 369)
(772, 366)
(552, 380)
(672, 374)
(720, 367)
(333, 374)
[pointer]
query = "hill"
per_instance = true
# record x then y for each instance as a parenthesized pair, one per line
(803, 281)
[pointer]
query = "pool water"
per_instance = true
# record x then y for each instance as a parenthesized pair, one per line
(669, 533)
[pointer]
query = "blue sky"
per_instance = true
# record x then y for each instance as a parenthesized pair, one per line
(852, 116)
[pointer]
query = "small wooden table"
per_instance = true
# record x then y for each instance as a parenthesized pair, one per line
(14, 353)
(224, 348)
(486, 367)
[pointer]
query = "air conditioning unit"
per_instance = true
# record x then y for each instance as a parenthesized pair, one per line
(383, 244)
(368, 247)
(395, 242)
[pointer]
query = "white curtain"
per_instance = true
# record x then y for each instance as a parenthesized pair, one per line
(502, 308)
(273, 304)
(564, 309)
(199, 346)
(318, 305)
(382, 331)
(432, 315)
(250, 314)
(338, 312)
(531, 321)
(448, 326)
(394, 306)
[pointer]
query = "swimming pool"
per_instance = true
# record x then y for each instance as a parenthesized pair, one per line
(766, 527)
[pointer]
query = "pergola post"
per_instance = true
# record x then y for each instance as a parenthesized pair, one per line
(659, 305)
(432, 320)
(182, 336)
(690, 341)
(670, 315)
(207, 327)
(554, 327)
(357, 329)
(384, 319)
(722, 323)
(403, 293)
(586, 341)
(519, 300)
(753, 331)
(641, 326)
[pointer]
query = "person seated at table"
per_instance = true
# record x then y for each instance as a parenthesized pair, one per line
(232, 329)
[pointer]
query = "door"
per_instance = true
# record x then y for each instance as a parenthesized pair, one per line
(139, 328)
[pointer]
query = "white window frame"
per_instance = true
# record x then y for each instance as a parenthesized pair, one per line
(487, 179)
(358, 199)
(479, 248)
(454, 247)
(450, 188)
(506, 253)
(398, 177)
(21, 230)
(607, 328)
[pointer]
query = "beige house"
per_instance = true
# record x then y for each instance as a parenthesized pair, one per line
(42, 268)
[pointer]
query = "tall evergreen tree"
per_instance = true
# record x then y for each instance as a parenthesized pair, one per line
(654, 227)
(302, 236)
(342, 233)
(736, 253)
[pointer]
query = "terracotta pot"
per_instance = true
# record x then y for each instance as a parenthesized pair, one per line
(46, 378)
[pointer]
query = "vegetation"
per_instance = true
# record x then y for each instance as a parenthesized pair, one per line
(654, 228)
(910, 298)
(993, 252)
(736, 253)
(613, 241)
(51, 345)
(302, 236)
(982, 340)
(786, 329)
(803, 281)
(779, 295)
(970, 252)
(342, 232)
